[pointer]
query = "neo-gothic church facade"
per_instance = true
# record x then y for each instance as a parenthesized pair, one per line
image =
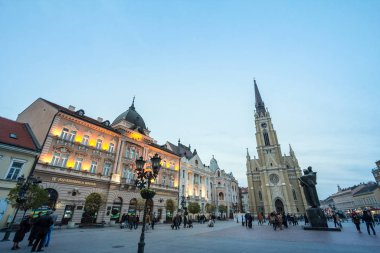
(273, 183)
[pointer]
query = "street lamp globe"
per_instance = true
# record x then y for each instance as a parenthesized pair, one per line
(140, 163)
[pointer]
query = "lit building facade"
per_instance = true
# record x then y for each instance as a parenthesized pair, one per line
(82, 156)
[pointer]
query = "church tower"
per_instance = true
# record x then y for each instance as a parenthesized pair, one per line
(272, 177)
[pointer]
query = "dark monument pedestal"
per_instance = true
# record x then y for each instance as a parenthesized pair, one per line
(317, 220)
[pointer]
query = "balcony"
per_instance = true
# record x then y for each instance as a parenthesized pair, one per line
(69, 171)
(83, 148)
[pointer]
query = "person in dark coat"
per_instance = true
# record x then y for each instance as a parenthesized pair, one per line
(42, 226)
(368, 219)
(24, 228)
(33, 233)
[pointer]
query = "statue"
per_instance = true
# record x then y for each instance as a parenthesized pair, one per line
(308, 182)
(315, 215)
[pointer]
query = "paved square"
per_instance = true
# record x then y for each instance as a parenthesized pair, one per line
(225, 237)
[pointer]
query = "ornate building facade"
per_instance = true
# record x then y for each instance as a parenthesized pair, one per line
(273, 183)
(205, 184)
(82, 156)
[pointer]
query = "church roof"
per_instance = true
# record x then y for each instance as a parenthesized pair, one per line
(132, 116)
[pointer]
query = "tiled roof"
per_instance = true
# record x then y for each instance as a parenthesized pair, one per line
(82, 117)
(163, 148)
(17, 134)
(367, 189)
(181, 150)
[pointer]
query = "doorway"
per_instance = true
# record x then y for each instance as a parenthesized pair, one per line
(279, 206)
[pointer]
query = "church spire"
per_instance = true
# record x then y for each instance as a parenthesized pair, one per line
(133, 103)
(291, 152)
(248, 156)
(259, 103)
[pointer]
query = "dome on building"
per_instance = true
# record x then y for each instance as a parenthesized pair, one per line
(214, 164)
(132, 117)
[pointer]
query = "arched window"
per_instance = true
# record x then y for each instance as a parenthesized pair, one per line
(260, 196)
(266, 139)
(218, 173)
(221, 196)
(294, 194)
(53, 196)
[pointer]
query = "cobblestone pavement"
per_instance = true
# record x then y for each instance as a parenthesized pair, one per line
(225, 237)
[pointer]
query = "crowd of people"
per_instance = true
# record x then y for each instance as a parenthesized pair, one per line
(130, 221)
(276, 219)
(40, 229)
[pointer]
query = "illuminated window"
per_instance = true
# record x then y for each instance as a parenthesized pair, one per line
(99, 144)
(111, 148)
(71, 136)
(78, 164)
(64, 159)
(15, 169)
(85, 140)
(94, 166)
(64, 133)
(106, 169)
(59, 159)
(55, 159)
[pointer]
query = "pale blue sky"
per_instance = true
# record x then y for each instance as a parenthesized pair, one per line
(191, 63)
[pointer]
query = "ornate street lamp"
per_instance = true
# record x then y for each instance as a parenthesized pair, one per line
(145, 176)
(24, 186)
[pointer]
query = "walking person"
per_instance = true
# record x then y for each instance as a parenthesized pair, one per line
(356, 221)
(48, 236)
(42, 226)
(33, 232)
(153, 221)
(368, 219)
(24, 228)
(136, 221)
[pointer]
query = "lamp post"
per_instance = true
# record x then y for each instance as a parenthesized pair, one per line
(24, 186)
(145, 176)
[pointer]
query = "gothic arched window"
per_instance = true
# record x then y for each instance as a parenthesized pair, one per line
(266, 139)
(294, 194)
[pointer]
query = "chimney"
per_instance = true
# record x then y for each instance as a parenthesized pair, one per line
(71, 108)
(100, 119)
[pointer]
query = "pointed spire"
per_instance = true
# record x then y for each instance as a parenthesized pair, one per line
(259, 103)
(133, 103)
(291, 152)
(248, 156)
(179, 141)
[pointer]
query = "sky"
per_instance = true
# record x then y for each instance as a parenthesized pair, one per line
(191, 66)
